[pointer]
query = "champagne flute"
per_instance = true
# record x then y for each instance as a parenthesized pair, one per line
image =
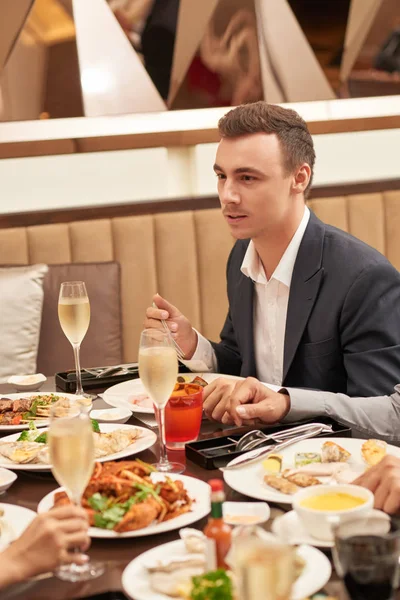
(74, 317)
(264, 569)
(158, 370)
(71, 446)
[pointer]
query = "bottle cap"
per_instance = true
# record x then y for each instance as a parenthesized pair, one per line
(217, 485)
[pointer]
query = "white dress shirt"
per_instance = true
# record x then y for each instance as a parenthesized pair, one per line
(271, 298)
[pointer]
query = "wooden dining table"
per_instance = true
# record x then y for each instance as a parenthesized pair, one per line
(32, 486)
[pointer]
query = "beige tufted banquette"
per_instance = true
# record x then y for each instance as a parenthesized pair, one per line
(182, 255)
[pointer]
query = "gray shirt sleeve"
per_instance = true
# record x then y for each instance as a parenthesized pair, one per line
(367, 417)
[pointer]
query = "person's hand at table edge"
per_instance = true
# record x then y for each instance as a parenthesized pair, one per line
(252, 401)
(48, 542)
(179, 326)
(383, 480)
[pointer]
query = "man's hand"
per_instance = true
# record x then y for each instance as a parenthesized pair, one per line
(384, 481)
(244, 402)
(178, 324)
(216, 396)
(251, 401)
(48, 542)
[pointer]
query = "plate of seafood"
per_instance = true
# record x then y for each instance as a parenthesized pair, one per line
(17, 411)
(28, 451)
(13, 522)
(131, 499)
(132, 394)
(166, 571)
(309, 462)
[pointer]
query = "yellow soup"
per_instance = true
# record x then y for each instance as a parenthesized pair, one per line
(333, 501)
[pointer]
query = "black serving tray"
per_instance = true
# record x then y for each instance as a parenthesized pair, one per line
(66, 381)
(210, 453)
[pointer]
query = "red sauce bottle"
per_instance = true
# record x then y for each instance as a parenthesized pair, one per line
(216, 530)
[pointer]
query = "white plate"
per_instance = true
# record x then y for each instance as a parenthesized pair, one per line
(16, 519)
(197, 490)
(289, 529)
(147, 439)
(40, 423)
(119, 395)
(249, 480)
(135, 581)
(7, 478)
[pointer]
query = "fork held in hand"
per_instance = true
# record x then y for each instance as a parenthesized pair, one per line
(180, 353)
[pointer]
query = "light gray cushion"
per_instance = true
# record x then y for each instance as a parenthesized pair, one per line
(21, 302)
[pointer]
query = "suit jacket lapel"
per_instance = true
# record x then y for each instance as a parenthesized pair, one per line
(243, 317)
(306, 280)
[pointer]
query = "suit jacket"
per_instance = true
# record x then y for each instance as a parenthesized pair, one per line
(343, 318)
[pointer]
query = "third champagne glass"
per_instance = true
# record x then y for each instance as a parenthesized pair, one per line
(71, 446)
(158, 370)
(74, 316)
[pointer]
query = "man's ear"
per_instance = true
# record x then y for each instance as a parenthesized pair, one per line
(301, 178)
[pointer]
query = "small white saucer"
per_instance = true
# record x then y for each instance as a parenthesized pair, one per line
(288, 528)
(111, 415)
(246, 513)
(27, 383)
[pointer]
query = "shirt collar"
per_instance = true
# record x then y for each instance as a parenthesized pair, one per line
(252, 266)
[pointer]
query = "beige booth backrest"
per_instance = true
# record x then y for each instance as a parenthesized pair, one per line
(182, 255)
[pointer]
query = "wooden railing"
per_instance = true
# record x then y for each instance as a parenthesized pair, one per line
(180, 128)
(66, 215)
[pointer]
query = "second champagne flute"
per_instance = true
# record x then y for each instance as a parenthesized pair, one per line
(158, 370)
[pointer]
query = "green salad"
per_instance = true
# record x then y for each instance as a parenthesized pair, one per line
(109, 512)
(41, 402)
(215, 585)
(33, 434)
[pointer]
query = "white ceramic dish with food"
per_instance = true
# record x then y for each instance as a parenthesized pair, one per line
(38, 422)
(319, 522)
(111, 415)
(7, 478)
(249, 480)
(289, 529)
(246, 513)
(197, 490)
(146, 439)
(27, 383)
(13, 523)
(135, 579)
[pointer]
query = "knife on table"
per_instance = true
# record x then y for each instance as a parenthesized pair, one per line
(261, 453)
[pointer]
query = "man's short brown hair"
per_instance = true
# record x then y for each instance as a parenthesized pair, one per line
(291, 130)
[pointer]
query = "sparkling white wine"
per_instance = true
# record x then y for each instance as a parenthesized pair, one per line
(74, 316)
(158, 369)
(71, 445)
(263, 571)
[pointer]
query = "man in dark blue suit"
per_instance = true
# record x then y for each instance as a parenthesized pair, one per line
(310, 306)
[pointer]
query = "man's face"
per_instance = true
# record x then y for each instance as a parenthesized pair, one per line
(253, 187)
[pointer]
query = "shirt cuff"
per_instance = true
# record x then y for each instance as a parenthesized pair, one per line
(304, 404)
(203, 359)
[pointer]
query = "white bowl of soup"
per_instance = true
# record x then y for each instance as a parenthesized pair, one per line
(320, 506)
